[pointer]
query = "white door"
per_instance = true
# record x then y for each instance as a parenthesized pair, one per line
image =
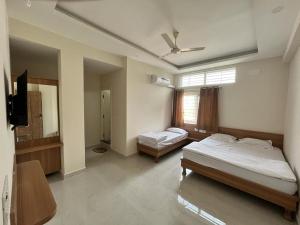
(105, 115)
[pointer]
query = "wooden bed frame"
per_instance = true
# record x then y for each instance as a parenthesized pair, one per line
(288, 202)
(158, 153)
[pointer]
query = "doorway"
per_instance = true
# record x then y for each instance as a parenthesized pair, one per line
(97, 107)
(105, 117)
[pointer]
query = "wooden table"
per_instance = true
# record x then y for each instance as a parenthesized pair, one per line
(35, 202)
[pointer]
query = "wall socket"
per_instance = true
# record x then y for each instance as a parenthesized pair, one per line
(5, 201)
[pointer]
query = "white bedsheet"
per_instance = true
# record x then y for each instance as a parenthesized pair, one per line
(154, 137)
(264, 166)
(172, 138)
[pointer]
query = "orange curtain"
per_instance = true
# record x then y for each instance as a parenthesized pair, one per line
(177, 115)
(208, 109)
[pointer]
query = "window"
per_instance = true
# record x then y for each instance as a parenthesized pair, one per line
(212, 77)
(192, 80)
(190, 107)
(220, 76)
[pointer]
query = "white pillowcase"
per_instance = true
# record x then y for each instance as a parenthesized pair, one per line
(254, 141)
(177, 130)
(223, 137)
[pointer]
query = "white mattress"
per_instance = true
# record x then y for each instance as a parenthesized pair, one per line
(261, 165)
(172, 138)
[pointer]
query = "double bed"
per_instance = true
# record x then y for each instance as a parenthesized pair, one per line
(249, 164)
(160, 143)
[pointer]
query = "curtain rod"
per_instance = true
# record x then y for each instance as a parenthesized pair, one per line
(198, 88)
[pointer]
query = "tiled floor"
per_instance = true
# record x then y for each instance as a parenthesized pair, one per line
(115, 190)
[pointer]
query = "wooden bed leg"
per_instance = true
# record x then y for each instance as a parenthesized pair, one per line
(288, 214)
(156, 159)
(140, 152)
(183, 171)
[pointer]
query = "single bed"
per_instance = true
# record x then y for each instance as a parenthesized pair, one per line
(257, 170)
(158, 144)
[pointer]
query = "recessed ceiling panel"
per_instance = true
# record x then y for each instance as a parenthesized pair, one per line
(223, 27)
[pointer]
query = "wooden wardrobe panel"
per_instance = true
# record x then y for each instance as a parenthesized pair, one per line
(34, 130)
(36, 114)
(53, 160)
(48, 157)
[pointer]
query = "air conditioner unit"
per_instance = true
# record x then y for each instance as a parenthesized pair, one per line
(161, 81)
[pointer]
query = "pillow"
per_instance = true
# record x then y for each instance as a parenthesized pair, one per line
(254, 141)
(223, 137)
(177, 130)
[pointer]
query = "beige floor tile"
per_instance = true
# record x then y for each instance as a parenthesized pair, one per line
(115, 190)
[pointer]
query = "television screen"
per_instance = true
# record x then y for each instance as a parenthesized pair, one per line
(19, 115)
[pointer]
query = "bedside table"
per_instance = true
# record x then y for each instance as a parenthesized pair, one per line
(197, 136)
(193, 139)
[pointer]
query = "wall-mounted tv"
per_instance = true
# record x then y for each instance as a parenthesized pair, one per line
(17, 104)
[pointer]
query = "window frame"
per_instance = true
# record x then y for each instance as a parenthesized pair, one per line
(179, 82)
(192, 74)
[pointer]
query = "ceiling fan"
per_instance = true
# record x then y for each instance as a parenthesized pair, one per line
(173, 45)
(28, 2)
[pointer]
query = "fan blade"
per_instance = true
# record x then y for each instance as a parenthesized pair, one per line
(168, 40)
(192, 49)
(165, 55)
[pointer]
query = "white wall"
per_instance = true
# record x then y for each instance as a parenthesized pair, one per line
(257, 100)
(22, 30)
(71, 87)
(148, 106)
(7, 148)
(92, 113)
(116, 83)
(71, 104)
(292, 117)
(137, 105)
(158, 108)
(37, 66)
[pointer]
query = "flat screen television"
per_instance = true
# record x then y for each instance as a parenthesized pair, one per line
(18, 114)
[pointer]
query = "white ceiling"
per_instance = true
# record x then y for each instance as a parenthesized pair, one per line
(224, 27)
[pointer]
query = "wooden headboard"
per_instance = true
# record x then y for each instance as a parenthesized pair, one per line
(277, 139)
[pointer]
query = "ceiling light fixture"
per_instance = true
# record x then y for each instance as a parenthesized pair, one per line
(28, 3)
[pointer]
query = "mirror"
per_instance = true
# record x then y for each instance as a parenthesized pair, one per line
(42, 105)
